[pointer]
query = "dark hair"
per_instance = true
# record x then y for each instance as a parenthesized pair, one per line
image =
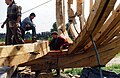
(33, 14)
(13, 2)
(54, 32)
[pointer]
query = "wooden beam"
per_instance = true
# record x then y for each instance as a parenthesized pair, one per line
(19, 59)
(26, 52)
(102, 19)
(112, 47)
(92, 61)
(73, 31)
(79, 7)
(71, 18)
(80, 13)
(112, 33)
(60, 20)
(51, 56)
(70, 1)
(91, 24)
(11, 50)
(109, 24)
(86, 59)
(91, 4)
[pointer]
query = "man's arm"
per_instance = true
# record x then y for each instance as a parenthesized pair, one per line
(18, 11)
(18, 19)
(28, 21)
(2, 26)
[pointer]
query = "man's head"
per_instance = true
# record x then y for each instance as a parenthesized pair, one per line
(54, 34)
(32, 15)
(8, 2)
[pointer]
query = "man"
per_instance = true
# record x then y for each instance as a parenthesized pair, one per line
(27, 24)
(12, 23)
(56, 44)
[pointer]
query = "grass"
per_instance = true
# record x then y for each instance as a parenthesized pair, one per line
(118, 55)
(115, 68)
(74, 71)
(77, 71)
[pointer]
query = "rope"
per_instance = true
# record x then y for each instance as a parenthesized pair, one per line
(37, 6)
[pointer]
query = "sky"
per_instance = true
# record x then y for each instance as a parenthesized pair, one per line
(45, 14)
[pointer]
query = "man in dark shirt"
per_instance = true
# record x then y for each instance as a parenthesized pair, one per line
(56, 44)
(13, 34)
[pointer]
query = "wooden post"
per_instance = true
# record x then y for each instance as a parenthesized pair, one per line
(60, 17)
(91, 4)
(80, 12)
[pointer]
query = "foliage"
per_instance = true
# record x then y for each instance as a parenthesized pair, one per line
(2, 40)
(54, 27)
(74, 71)
(118, 55)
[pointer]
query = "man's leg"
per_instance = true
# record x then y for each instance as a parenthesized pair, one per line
(22, 33)
(33, 31)
(18, 39)
(8, 35)
(58, 72)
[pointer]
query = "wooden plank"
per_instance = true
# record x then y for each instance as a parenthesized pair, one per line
(44, 66)
(91, 4)
(19, 59)
(11, 50)
(104, 48)
(102, 19)
(91, 61)
(22, 58)
(112, 33)
(71, 17)
(91, 23)
(51, 56)
(60, 20)
(73, 32)
(106, 11)
(79, 7)
(16, 57)
(67, 60)
(88, 58)
(70, 1)
(109, 24)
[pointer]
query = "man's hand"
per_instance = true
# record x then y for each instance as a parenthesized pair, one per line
(17, 24)
(2, 26)
(34, 25)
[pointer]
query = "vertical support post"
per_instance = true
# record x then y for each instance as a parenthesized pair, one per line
(97, 55)
(91, 4)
